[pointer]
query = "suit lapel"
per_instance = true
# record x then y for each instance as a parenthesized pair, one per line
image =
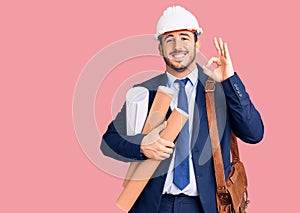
(199, 119)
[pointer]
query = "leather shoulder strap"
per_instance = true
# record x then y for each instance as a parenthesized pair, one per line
(215, 140)
(235, 155)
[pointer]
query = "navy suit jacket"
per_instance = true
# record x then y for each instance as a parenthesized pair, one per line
(235, 112)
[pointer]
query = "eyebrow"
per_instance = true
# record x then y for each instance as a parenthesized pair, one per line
(185, 34)
(181, 34)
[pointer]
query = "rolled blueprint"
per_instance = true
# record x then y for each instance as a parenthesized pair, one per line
(157, 114)
(137, 99)
(145, 169)
(159, 108)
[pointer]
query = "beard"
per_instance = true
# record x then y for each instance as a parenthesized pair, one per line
(179, 69)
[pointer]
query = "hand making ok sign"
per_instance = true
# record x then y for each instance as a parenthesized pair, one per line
(224, 68)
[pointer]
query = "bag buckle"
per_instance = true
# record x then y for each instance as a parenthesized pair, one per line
(224, 195)
(222, 190)
(224, 198)
(210, 85)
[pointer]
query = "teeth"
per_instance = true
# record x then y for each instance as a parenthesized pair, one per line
(178, 55)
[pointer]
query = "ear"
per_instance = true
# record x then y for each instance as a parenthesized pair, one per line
(197, 45)
(160, 49)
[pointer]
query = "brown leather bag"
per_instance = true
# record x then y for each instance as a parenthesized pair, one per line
(232, 195)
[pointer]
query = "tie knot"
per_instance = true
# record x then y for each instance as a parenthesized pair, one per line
(182, 82)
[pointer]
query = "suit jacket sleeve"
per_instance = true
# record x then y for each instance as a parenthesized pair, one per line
(246, 121)
(116, 144)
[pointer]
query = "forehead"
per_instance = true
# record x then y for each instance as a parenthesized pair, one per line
(178, 33)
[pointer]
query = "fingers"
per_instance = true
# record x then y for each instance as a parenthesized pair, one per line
(167, 143)
(164, 149)
(164, 156)
(211, 61)
(221, 47)
(217, 46)
(226, 51)
(211, 72)
(158, 149)
(165, 153)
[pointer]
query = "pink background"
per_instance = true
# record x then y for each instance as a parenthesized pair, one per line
(45, 46)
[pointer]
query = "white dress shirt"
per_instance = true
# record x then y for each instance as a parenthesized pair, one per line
(190, 89)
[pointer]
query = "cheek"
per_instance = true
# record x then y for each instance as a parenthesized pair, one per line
(192, 50)
(165, 53)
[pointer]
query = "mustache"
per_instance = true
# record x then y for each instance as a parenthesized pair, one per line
(178, 51)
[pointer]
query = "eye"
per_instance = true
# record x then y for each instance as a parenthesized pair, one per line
(185, 39)
(169, 40)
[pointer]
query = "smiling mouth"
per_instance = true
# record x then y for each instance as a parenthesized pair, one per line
(178, 55)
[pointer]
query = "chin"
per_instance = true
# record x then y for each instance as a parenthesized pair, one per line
(182, 69)
(178, 69)
(176, 66)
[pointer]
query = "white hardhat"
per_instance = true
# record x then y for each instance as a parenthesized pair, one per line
(176, 18)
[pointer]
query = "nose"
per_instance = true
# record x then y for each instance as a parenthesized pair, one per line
(178, 44)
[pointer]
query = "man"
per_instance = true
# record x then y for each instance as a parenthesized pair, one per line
(195, 189)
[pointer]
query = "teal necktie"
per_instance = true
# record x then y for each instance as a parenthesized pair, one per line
(181, 168)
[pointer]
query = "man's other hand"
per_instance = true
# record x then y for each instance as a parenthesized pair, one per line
(155, 147)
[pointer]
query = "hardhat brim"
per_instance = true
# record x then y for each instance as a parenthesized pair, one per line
(199, 31)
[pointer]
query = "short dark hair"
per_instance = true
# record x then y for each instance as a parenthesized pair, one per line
(195, 37)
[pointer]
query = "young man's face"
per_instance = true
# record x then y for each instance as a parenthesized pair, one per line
(179, 50)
